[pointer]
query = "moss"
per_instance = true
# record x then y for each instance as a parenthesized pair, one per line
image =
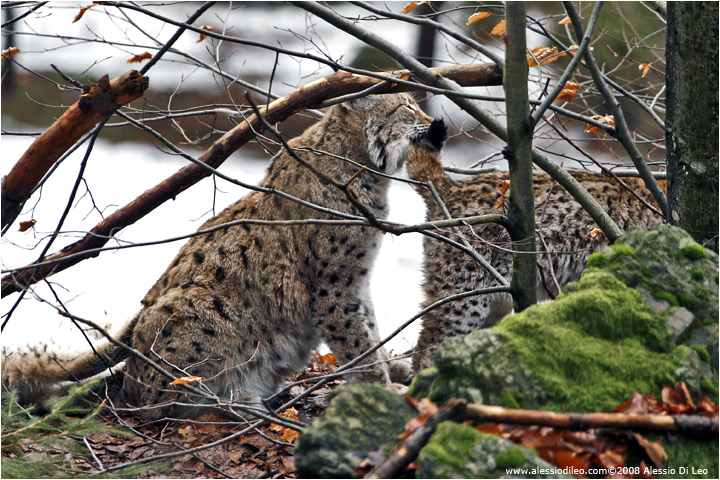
(686, 300)
(452, 444)
(709, 321)
(511, 399)
(667, 296)
(510, 458)
(622, 249)
(597, 260)
(697, 273)
(710, 387)
(701, 292)
(694, 251)
(702, 352)
(687, 452)
(421, 383)
(593, 347)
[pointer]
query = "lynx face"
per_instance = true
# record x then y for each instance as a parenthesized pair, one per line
(390, 132)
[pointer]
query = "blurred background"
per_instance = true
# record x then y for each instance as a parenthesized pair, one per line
(199, 79)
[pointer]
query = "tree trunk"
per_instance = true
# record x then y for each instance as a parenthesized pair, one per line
(692, 119)
(522, 200)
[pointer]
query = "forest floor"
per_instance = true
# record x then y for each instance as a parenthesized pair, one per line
(264, 453)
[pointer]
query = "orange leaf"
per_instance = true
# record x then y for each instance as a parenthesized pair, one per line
(140, 58)
(568, 92)
(607, 120)
(27, 225)
(499, 29)
(476, 17)
(543, 55)
(207, 28)
(564, 21)
(288, 434)
(82, 12)
(503, 189)
(594, 233)
(9, 52)
(404, 76)
(410, 7)
(644, 68)
(183, 380)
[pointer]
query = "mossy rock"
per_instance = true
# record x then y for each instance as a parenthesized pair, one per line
(460, 451)
(359, 419)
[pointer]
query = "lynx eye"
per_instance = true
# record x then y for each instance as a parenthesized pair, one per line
(410, 107)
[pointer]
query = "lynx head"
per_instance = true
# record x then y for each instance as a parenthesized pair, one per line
(393, 125)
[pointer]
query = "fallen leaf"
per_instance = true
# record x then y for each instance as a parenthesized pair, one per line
(288, 434)
(499, 29)
(140, 58)
(185, 431)
(476, 17)
(606, 119)
(183, 380)
(207, 28)
(654, 450)
(503, 189)
(27, 225)
(82, 12)
(565, 21)
(594, 233)
(9, 52)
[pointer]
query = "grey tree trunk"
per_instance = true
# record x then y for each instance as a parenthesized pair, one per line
(692, 119)
(522, 200)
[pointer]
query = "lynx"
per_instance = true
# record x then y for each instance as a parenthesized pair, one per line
(243, 307)
(561, 221)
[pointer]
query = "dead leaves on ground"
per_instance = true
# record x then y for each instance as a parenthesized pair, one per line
(583, 450)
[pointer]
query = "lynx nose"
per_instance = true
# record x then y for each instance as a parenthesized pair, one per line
(437, 133)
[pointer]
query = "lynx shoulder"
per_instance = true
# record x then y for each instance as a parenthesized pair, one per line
(243, 307)
(559, 220)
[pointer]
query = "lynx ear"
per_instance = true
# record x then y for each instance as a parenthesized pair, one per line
(364, 103)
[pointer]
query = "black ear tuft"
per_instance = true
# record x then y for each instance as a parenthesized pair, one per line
(437, 133)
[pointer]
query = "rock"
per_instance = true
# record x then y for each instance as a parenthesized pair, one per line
(588, 350)
(359, 419)
(460, 451)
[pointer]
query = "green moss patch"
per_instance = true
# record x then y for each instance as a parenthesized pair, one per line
(693, 251)
(593, 346)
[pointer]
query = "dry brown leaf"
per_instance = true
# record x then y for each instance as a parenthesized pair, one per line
(404, 76)
(410, 7)
(140, 58)
(288, 434)
(82, 12)
(499, 29)
(503, 189)
(27, 225)
(543, 56)
(477, 16)
(565, 21)
(594, 233)
(207, 28)
(606, 119)
(183, 380)
(644, 68)
(568, 92)
(9, 52)
(654, 450)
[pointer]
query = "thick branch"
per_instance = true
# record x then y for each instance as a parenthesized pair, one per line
(339, 83)
(92, 108)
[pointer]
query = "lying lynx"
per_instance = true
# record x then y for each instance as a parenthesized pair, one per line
(244, 306)
(564, 225)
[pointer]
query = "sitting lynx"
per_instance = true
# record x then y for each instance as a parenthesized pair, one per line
(244, 306)
(563, 224)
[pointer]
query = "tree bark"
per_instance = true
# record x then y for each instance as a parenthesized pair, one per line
(692, 119)
(94, 106)
(521, 209)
